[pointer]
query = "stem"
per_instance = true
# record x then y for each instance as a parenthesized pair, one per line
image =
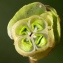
(32, 61)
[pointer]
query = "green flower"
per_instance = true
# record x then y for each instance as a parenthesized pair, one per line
(35, 29)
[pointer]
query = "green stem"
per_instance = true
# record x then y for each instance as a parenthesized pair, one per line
(32, 61)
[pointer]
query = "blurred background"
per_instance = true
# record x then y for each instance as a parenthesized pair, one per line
(8, 53)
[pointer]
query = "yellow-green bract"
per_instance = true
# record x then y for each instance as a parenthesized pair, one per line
(35, 29)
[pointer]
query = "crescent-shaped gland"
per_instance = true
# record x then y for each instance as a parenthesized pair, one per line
(56, 27)
(49, 20)
(24, 46)
(26, 11)
(56, 24)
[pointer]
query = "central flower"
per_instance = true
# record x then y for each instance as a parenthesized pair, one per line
(29, 34)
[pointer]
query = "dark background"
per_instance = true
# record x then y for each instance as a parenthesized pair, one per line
(7, 50)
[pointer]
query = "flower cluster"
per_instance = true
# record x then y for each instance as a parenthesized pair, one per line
(35, 29)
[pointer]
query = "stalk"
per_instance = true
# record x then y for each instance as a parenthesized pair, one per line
(32, 61)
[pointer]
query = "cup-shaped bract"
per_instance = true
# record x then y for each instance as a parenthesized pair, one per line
(35, 29)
